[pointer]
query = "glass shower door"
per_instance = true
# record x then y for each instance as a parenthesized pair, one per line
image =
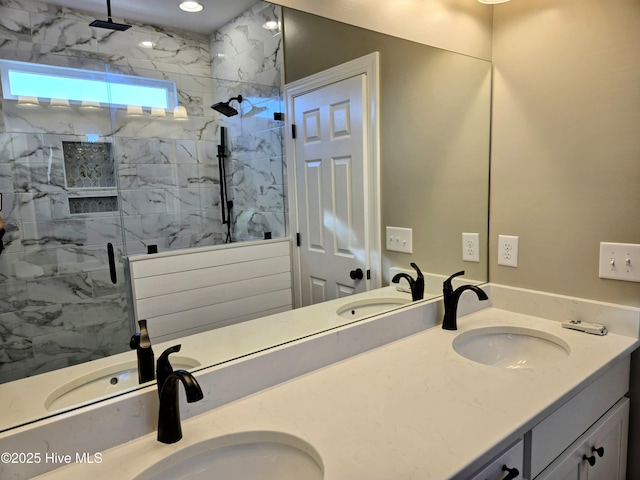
(62, 302)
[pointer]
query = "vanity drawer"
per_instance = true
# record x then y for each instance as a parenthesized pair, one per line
(560, 429)
(512, 459)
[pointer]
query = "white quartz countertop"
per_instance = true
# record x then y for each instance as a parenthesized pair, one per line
(412, 409)
(231, 342)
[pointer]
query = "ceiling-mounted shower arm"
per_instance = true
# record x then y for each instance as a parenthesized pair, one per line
(109, 10)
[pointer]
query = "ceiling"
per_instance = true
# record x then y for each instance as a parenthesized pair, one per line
(164, 12)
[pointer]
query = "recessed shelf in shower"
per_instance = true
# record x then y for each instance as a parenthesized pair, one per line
(88, 165)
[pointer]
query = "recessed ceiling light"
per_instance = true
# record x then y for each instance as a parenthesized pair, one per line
(270, 25)
(191, 7)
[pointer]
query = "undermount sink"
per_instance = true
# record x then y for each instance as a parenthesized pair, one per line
(241, 456)
(105, 381)
(511, 347)
(371, 306)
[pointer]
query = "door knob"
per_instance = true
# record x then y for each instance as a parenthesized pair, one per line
(599, 451)
(356, 274)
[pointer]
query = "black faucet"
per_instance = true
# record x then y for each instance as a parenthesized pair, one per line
(451, 297)
(142, 344)
(417, 285)
(163, 366)
(169, 429)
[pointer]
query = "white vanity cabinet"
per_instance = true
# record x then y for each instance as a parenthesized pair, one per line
(599, 454)
(596, 417)
(506, 466)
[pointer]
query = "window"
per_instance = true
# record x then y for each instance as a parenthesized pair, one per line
(21, 79)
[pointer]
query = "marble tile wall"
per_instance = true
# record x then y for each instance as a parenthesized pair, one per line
(247, 61)
(57, 304)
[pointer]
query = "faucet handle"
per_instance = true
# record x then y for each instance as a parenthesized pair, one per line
(140, 340)
(448, 280)
(145, 341)
(417, 269)
(163, 365)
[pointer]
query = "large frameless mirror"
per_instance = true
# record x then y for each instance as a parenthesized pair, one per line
(91, 186)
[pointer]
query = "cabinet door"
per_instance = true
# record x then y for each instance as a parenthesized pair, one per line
(511, 459)
(569, 466)
(608, 445)
(608, 433)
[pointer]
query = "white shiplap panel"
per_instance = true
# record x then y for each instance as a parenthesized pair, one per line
(193, 291)
(212, 295)
(224, 323)
(148, 266)
(211, 314)
(204, 277)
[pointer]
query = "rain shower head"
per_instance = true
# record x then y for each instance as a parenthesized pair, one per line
(225, 108)
(109, 23)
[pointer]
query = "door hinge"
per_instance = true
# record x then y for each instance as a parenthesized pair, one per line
(293, 130)
(298, 239)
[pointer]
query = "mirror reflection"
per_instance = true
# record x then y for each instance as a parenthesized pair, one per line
(93, 189)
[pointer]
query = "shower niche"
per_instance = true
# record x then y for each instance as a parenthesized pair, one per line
(90, 177)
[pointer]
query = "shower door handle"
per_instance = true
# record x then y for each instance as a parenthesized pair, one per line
(112, 264)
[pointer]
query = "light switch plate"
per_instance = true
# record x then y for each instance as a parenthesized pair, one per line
(471, 247)
(620, 261)
(508, 250)
(400, 239)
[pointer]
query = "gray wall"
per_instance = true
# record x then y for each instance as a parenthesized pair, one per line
(462, 26)
(434, 135)
(565, 170)
(565, 160)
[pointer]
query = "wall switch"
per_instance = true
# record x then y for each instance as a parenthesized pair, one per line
(620, 261)
(400, 239)
(508, 250)
(471, 247)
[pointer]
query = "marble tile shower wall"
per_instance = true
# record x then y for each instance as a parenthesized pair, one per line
(57, 304)
(247, 61)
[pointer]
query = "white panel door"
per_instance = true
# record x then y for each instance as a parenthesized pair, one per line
(330, 183)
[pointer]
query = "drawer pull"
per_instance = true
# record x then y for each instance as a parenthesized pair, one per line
(513, 472)
(591, 459)
(599, 451)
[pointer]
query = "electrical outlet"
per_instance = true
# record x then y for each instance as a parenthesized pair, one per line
(508, 250)
(620, 261)
(471, 247)
(400, 239)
